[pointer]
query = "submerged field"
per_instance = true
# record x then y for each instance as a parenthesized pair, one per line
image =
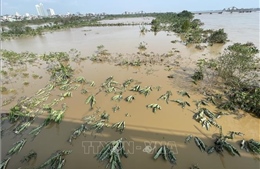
(145, 131)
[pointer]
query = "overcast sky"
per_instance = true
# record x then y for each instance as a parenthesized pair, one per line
(120, 6)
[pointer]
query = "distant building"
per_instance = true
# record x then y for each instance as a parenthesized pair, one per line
(50, 12)
(40, 9)
(17, 14)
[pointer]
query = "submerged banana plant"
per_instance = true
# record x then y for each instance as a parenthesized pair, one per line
(165, 96)
(104, 116)
(181, 103)
(206, 118)
(109, 82)
(136, 88)
(188, 138)
(32, 154)
(120, 126)
(57, 161)
(110, 89)
(91, 100)
(154, 107)
(200, 144)
(116, 108)
(117, 97)
(220, 144)
(17, 147)
(184, 93)
(250, 146)
(22, 126)
(99, 126)
(166, 153)
(83, 91)
(4, 163)
(201, 102)
(38, 129)
(146, 90)
(129, 98)
(113, 151)
(77, 132)
(232, 134)
(57, 115)
(91, 83)
(80, 79)
(127, 83)
(66, 94)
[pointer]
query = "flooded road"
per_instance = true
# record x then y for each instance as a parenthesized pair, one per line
(145, 131)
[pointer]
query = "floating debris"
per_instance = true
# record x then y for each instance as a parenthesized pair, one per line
(165, 96)
(112, 152)
(200, 144)
(56, 161)
(120, 126)
(181, 103)
(166, 153)
(129, 98)
(91, 100)
(4, 163)
(32, 154)
(154, 107)
(17, 147)
(77, 132)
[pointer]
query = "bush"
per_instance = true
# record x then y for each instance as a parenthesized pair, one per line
(218, 36)
(238, 64)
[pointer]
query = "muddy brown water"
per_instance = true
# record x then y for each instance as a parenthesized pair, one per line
(169, 126)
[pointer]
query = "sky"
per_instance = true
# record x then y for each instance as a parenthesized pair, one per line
(120, 6)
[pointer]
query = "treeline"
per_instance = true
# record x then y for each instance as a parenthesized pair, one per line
(189, 28)
(182, 23)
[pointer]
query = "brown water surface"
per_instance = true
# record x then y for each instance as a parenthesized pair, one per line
(169, 126)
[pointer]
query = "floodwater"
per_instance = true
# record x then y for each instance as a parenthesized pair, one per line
(144, 129)
(240, 27)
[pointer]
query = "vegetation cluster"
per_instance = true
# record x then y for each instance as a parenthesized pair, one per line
(238, 69)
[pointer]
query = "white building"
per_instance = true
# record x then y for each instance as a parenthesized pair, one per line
(40, 9)
(50, 12)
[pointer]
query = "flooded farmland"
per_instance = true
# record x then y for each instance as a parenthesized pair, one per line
(145, 130)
